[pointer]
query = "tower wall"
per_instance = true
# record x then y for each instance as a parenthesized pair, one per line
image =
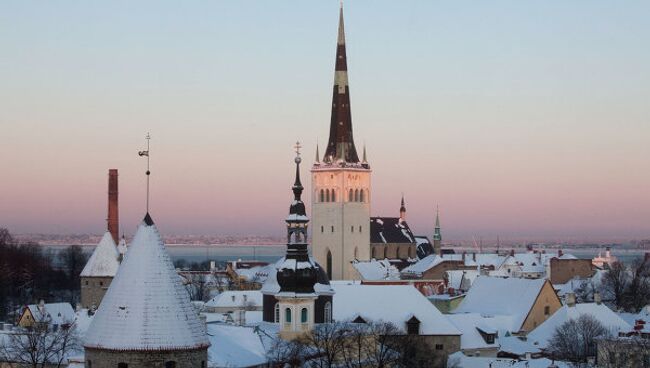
(342, 225)
(96, 358)
(93, 290)
(113, 213)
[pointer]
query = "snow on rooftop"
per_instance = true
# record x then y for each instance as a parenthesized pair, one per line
(610, 320)
(491, 296)
(471, 338)
(54, 313)
(461, 279)
(235, 346)
(146, 307)
(424, 264)
(236, 298)
(389, 303)
(376, 270)
(103, 262)
(458, 359)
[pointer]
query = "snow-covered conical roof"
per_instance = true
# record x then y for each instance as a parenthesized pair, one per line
(146, 307)
(103, 262)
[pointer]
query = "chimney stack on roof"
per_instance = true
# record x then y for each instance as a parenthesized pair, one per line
(512, 252)
(113, 213)
(560, 253)
(597, 298)
(571, 299)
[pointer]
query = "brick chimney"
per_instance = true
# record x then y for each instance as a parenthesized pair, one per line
(560, 253)
(512, 252)
(113, 213)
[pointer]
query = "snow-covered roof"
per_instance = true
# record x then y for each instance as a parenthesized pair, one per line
(146, 307)
(121, 247)
(459, 360)
(389, 303)
(103, 262)
(236, 298)
(54, 313)
(455, 278)
(498, 296)
(424, 264)
(234, 346)
(376, 270)
(468, 324)
(610, 320)
(390, 230)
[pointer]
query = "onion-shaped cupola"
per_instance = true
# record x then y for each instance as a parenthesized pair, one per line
(297, 274)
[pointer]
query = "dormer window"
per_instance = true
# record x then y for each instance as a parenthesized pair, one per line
(359, 320)
(488, 336)
(413, 326)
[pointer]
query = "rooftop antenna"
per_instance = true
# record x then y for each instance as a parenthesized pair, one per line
(146, 153)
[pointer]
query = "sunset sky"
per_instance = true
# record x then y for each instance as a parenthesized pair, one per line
(519, 118)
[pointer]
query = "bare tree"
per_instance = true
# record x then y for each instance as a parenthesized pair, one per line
(73, 260)
(287, 354)
(40, 347)
(615, 283)
(326, 341)
(628, 287)
(575, 340)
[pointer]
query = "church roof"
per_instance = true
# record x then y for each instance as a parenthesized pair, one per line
(390, 230)
(146, 307)
(103, 262)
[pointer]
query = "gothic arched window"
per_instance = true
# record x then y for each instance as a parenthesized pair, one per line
(322, 195)
(328, 312)
(351, 196)
(276, 313)
(333, 195)
(362, 196)
(287, 315)
(329, 264)
(356, 195)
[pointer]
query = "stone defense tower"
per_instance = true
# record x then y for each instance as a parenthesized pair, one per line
(146, 318)
(113, 210)
(340, 185)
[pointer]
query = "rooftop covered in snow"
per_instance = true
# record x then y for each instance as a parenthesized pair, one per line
(104, 260)
(146, 307)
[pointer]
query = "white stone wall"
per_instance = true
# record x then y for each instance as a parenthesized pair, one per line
(341, 226)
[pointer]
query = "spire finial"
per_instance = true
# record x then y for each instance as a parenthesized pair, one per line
(148, 172)
(297, 185)
(437, 217)
(365, 157)
(317, 154)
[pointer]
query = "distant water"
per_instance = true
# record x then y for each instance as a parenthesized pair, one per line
(271, 252)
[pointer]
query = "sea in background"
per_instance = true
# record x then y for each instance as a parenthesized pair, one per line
(271, 252)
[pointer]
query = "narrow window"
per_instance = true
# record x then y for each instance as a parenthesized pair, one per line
(329, 264)
(90, 364)
(276, 314)
(359, 228)
(332, 228)
(322, 229)
(351, 196)
(327, 195)
(356, 251)
(547, 310)
(328, 312)
(304, 315)
(362, 196)
(333, 195)
(356, 195)
(352, 228)
(287, 315)
(322, 195)
(170, 364)
(439, 347)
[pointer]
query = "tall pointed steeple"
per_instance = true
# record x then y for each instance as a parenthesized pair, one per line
(402, 210)
(297, 274)
(437, 236)
(341, 143)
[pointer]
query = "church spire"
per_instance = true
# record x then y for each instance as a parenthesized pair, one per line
(341, 143)
(402, 210)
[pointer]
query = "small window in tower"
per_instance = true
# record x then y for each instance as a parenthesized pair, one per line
(322, 195)
(333, 195)
(328, 312)
(322, 229)
(170, 364)
(304, 315)
(287, 315)
(352, 228)
(359, 228)
(351, 196)
(101, 283)
(327, 195)
(276, 317)
(361, 196)
(86, 283)
(332, 228)
(122, 365)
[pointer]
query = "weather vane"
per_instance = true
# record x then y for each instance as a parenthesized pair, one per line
(297, 147)
(146, 153)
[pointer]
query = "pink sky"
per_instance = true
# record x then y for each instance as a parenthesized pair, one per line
(512, 130)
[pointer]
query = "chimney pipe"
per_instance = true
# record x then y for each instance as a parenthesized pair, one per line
(113, 213)
(597, 298)
(512, 252)
(570, 299)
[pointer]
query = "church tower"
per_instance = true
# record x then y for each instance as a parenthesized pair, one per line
(437, 236)
(340, 185)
